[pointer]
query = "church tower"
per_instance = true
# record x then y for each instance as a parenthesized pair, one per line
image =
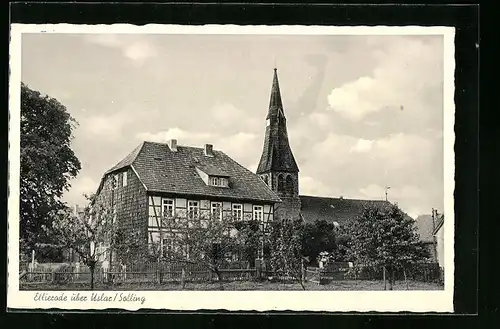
(277, 166)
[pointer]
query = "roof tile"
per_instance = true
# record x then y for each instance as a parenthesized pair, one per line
(334, 209)
(162, 170)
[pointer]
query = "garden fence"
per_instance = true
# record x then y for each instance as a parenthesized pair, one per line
(423, 272)
(162, 272)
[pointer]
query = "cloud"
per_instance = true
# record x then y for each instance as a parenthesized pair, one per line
(314, 187)
(139, 51)
(183, 137)
(322, 120)
(401, 150)
(242, 147)
(363, 145)
(407, 70)
(230, 129)
(224, 116)
(373, 191)
(398, 192)
(136, 50)
(394, 151)
(407, 197)
(106, 40)
(107, 126)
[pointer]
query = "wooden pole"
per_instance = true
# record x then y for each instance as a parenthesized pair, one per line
(383, 274)
(406, 281)
(302, 270)
(183, 278)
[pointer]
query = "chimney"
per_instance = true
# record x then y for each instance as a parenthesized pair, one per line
(209, 152)
(172, 144)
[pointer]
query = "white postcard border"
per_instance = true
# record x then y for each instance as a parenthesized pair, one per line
(335, 301)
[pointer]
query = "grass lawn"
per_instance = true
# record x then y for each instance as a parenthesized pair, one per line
(239, 285)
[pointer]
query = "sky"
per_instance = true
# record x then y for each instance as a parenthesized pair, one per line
(363, 112)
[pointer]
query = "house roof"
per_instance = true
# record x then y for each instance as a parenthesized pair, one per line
(334, 209)
(162, 170)
(212, 170)
(425, 228)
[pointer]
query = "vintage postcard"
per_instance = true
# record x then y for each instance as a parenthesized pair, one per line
(239, 168)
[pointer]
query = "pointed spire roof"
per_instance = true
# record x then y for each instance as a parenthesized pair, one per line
(277, 154)
(275, 103)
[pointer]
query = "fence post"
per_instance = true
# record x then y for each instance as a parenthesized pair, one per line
(77, 269)
(303, 270)
(183, 277)
(258, 269)
(160, 274)
(383, 275)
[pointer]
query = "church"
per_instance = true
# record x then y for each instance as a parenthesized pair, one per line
(160, 179)
(279, 170)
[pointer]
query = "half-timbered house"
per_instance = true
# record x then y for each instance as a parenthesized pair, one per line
(164, 179)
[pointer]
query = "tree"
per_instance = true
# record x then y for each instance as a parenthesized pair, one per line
(318, 237)
(286, 249)
(128, 246)
(201, 240)
(47, 163)
(385, 237)
(249, 241)
(84, 234)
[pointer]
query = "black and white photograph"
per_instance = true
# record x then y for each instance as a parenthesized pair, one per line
(253, 167)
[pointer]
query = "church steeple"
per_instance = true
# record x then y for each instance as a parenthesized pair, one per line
(277, 166)
(275, 103)
(277, 154)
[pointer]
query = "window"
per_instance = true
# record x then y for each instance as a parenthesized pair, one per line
(125, 178)
(258, 213)
(214, 181)
(265, 180)
(289, 185)
(216, 210)
(237, 211)
(218, 181)
(281, 183)
(114, 182)
(167, 207)
(193, 209)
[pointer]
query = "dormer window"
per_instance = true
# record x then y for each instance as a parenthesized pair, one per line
(218, 181)
(214, 181)
(213, 176)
